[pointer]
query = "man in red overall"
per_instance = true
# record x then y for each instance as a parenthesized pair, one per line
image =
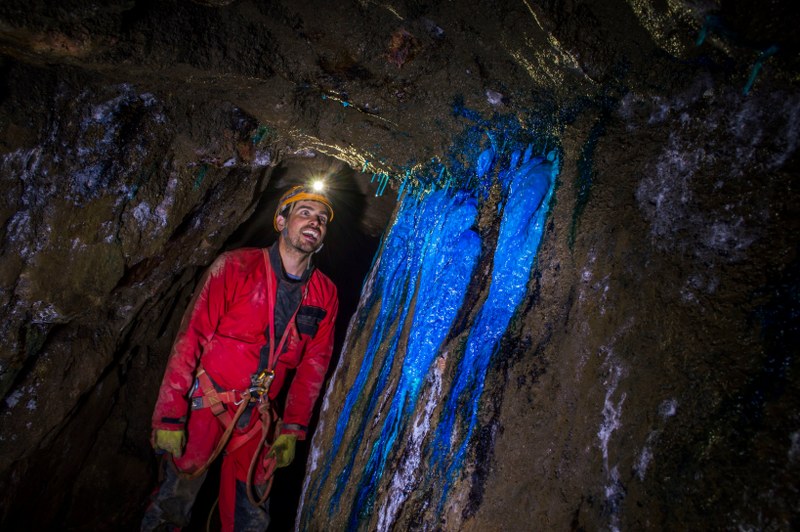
(257, 314)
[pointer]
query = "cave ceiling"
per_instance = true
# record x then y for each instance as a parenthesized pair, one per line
(374, 82)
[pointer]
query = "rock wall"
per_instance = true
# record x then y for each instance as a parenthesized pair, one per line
(110, 207)
(647, 374)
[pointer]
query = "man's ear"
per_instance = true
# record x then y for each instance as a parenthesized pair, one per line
(280, 221)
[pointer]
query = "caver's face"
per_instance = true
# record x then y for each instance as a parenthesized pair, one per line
(305, 226)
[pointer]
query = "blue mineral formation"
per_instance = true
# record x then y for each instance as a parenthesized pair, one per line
(399, 402)
(529, 188)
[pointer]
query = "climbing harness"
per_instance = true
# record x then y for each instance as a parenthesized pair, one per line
(258, 395)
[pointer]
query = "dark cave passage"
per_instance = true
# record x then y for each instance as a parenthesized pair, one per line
(350, 247)
(353, 238)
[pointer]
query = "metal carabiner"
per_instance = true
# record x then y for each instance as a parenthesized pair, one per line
(247, 395)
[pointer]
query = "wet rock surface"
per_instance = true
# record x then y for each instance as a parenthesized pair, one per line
(648, 379)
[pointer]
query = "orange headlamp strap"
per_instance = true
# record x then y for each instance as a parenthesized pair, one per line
(300, 196)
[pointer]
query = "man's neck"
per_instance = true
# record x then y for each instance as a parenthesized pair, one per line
(294, 262)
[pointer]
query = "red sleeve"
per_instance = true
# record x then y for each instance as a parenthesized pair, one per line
(197, 328)
(310, 375)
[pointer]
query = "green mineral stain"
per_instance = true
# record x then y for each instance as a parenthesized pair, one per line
(143, 178)
(200, 176)
(260, 133)
(585, 178)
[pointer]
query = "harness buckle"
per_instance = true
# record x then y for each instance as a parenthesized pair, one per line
(260, 382)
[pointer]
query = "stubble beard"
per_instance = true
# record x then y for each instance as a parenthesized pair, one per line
(299, 243)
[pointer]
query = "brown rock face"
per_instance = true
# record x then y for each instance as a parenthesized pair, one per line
(643, 374)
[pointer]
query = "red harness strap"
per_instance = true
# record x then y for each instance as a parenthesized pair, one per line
(213, 399)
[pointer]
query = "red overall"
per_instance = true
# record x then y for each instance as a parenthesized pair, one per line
(223, 331)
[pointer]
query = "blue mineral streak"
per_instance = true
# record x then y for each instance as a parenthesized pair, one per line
(448, 251)
(530, 187)
(389, 292)
(425, 267)
(432, 246)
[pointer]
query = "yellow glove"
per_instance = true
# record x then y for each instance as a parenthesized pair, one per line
(283, 449)
(171, 441)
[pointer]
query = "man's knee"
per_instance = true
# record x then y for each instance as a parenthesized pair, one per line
(247, 516)
(171, 505)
